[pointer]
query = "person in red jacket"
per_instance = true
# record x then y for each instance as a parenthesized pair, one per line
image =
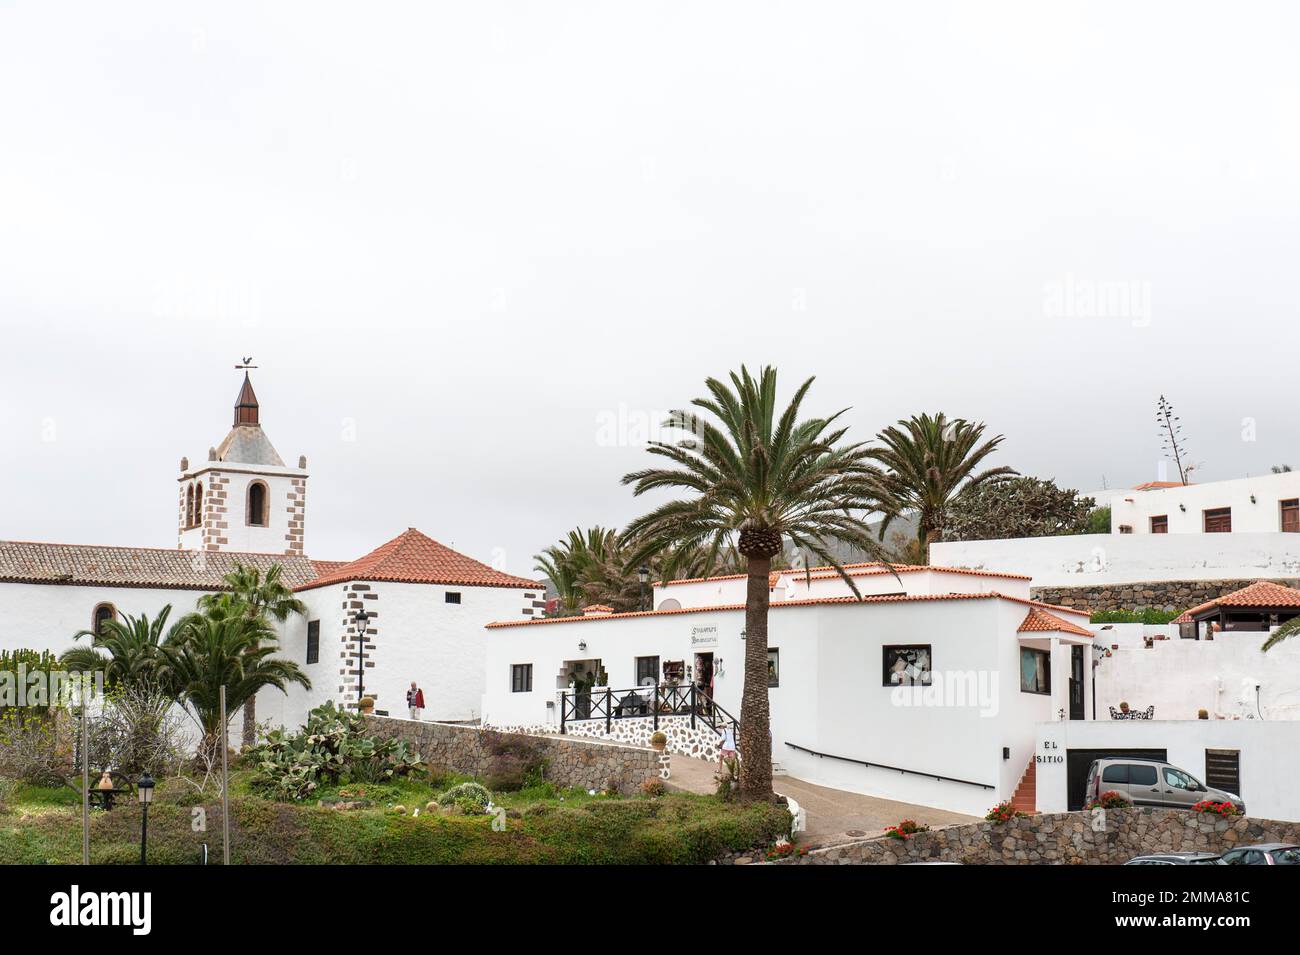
(415, 700)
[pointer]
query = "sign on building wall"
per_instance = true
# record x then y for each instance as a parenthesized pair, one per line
(704, 637)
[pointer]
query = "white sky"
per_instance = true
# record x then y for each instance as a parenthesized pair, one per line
(471, 229)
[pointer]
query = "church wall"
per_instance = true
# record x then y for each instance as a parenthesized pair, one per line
(47, 616)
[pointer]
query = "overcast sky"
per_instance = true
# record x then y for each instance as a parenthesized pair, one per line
(464, 241)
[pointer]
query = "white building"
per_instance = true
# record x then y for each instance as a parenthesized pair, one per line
(928, 690)
(1269, 503)
(1161, 531)
(426, 603)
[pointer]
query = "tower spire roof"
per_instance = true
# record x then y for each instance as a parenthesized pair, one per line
(246, 407)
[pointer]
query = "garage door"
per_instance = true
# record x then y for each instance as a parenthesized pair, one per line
(1077, 762)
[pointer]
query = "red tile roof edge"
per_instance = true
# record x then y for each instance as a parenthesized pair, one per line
(863, 569)
(780, 604)
(1039, 620)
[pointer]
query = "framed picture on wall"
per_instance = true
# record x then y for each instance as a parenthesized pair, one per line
(907, 665)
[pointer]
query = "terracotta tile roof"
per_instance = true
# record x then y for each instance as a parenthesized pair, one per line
(1039, 620)
(781, 604)
(1262, 593)
(167, 569)
(413, 558)
(863, 569)
(1158, 485)
(326, 567)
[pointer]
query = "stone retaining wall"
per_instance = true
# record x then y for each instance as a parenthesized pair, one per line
(570, 762)
(1108, 837)
(1169, 595)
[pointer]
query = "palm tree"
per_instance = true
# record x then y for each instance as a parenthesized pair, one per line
(1284, 632)
(206, 652)
(128, 651)
(758, 479)
(930, 462)
(262, 598)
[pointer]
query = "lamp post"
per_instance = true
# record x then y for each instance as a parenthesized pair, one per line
(363, 621)
(144, 789)
(644, 575)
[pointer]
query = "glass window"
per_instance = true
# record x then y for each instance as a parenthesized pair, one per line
(313, 641)
(521, 678)
(1142, 775)
(1176, 779)
(647, 671)
(1291, 516)
(1218, 520)
(905, 665)
(1160, 525)
(1115, 774)
(452, 597)
(1289, 856)
(1035, 671)
(773, 666)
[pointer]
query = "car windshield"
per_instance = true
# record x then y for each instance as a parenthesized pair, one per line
(1212, 860)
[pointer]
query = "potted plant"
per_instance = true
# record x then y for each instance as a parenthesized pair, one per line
(1202, 714)
(1123, 707)
(659, 740)
(366, 705)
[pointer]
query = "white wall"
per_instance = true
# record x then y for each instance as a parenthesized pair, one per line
(1180, 677)
(1268, 756)
(1102, 559)
(1136, 508)
(47, 616)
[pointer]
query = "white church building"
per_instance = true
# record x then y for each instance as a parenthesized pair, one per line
(425, 603)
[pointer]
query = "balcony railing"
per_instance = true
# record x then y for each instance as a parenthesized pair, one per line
(662, 700)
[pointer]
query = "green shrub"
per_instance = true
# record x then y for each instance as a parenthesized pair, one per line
(469, 798)
(331, 749)
(1151, 616)
(515, 760)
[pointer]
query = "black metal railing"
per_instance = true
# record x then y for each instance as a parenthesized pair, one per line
(661, 700)
(896, 769)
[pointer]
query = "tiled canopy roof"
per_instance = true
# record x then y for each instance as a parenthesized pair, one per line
(1262, 594)
(863, 569)
(89, 564)
(1039, 620)
(413, 558)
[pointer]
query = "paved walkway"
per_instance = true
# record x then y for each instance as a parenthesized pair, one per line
(834, 815)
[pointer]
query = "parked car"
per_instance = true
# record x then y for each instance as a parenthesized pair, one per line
(1152, 782)
(1177, 858)
(1266, 853)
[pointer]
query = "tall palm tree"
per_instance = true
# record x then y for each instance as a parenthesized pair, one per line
(128, 651)
(261, 598)
(930, 461)
(760, 479)
(206, 652)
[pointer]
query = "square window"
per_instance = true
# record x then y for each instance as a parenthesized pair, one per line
(907, 665)
(1160, 525)
(1218, 520)
(313, 641)
(1290, 517)
(773, 666)
(452, 596)
(521, 678)
(1035, 671)
(647, 671)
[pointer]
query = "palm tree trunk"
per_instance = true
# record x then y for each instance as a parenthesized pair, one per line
(755, 712)
(250, 721)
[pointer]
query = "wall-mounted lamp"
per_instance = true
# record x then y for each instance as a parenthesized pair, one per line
(742, 634)
(1252, 499)
(1183, 508)
(1006, 752)
(582, 646)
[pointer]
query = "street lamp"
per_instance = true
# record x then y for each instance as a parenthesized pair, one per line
(363, 621)
(144, 789)
(644, 575)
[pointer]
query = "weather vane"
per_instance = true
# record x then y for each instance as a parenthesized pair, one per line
(247, 364)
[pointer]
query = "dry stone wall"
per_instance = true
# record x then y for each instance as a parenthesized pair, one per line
(1109, 837)
(570, 762)
(1168, 595)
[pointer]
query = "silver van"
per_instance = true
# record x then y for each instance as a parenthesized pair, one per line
(1152, 782)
